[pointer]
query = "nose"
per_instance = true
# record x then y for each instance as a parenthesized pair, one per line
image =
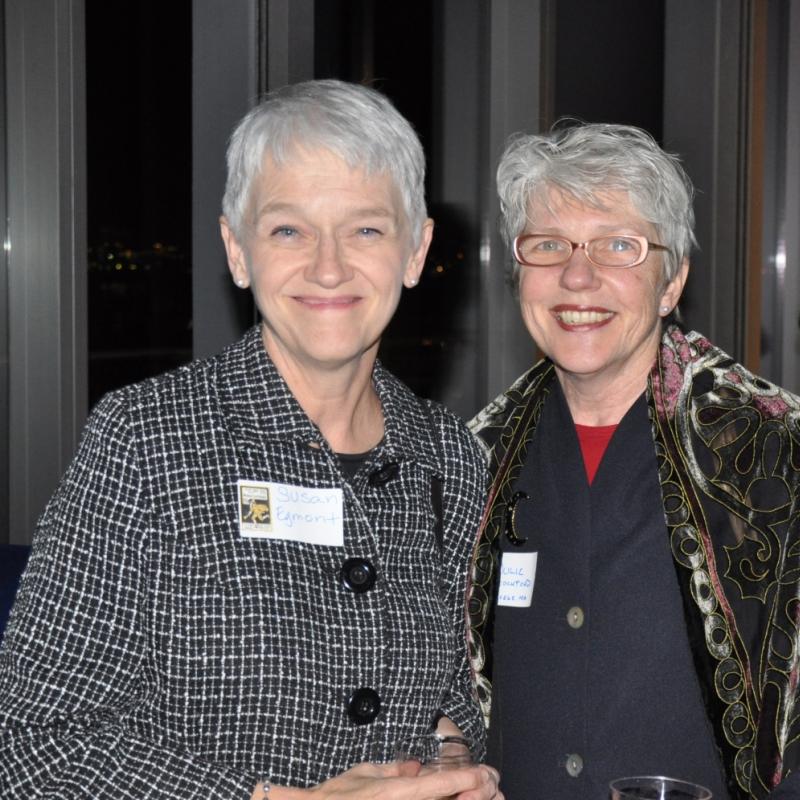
(328, 266)
(579, 273)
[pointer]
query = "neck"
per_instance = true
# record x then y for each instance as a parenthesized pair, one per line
(605, 396)
(350, 422)
(341, 401)
(601, 400)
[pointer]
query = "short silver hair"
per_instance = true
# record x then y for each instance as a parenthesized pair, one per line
(357, 123)
(587, 160)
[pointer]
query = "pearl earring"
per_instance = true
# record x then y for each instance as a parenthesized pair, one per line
(665, 309)
(412, 282)
(240, 283)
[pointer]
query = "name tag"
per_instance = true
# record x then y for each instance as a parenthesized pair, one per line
(517, 576)
(292, 513)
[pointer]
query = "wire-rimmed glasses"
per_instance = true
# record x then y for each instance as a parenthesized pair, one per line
(620, 251)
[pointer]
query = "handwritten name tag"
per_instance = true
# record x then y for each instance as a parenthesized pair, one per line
(293, 513)
(517, 576)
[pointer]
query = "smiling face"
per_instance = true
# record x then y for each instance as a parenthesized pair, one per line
(326, 250)
(600, 325)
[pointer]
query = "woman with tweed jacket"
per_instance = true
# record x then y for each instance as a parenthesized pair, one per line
(252, 577)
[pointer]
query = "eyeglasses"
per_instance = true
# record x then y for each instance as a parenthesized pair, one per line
(541, 250)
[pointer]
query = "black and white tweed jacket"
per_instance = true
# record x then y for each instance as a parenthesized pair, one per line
(155, 653)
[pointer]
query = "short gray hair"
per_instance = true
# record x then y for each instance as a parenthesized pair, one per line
(357, 123)
(586, 160)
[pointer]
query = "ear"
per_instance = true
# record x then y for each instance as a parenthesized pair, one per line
(674, 289)
(417, 259)
(237, 263)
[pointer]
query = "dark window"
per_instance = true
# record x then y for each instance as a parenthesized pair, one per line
(610, 62)
(138, 77)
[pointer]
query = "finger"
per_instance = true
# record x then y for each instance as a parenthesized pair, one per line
(408, 769)
(492, 772)
(444, 783)
(495, 776)
(488, 788)
(367, 769)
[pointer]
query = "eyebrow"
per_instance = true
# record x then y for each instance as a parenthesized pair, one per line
(622, 228)
(368, 211)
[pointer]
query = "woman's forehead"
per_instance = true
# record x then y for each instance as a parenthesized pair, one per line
(556, 208)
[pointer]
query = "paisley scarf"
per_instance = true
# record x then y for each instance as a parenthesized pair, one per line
(728, 451)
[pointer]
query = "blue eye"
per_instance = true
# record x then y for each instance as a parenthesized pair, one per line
(550, 245)
(621, 244)
(369, 232)
(284, 231)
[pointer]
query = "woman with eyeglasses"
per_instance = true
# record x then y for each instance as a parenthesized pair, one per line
(635, 593)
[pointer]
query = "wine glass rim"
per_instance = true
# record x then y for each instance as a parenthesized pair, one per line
(438, 737)
(675, 783)
(432, 746)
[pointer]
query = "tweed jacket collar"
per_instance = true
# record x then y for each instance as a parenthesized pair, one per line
(261, 406)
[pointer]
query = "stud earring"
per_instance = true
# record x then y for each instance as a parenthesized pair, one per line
(240, 283)
(412, 282)
(665, 310)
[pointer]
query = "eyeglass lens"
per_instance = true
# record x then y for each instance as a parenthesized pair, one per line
(607, 251)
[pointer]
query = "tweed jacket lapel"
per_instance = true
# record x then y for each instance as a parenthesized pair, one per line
(255, 401)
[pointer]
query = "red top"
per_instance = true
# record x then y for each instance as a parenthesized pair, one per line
(594, 440)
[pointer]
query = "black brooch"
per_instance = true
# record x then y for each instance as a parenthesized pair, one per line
(511, 534)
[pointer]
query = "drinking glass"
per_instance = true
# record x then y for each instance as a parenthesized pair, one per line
(656, 788)
(435, 751)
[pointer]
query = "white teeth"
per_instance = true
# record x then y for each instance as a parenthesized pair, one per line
(583, 317)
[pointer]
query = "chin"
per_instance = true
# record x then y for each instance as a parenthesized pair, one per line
(580, 366)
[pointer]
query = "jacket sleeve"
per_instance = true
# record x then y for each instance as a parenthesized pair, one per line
(74, 659)
(464, 491)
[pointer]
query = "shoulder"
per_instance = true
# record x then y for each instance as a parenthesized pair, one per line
(427, 426)
(160, 420)
(531, 386)
(454, 430)
(692, 369)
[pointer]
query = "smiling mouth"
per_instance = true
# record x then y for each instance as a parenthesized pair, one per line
(343, 301)
(587, 317)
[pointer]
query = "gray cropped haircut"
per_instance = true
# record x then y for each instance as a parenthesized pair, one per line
(356, 123)
(587, 160)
